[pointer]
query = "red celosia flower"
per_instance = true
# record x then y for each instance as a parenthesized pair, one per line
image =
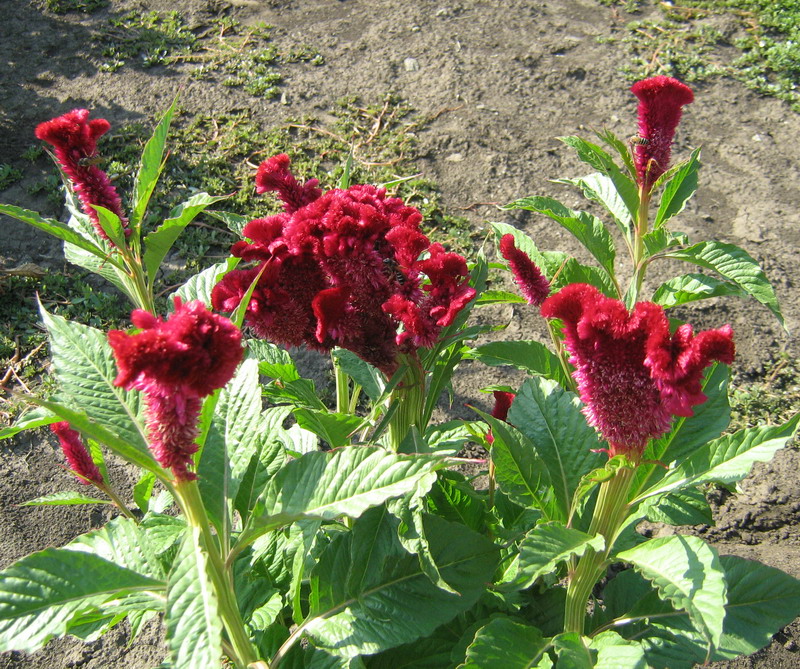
(77, 456)
(74, 140)
(343, 268)
(533, 285)
(632, 374)
(502, 403)
(661, 101)
(176, 363)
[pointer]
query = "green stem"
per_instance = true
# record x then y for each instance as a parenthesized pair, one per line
(609, 514)
(639, 266)
(117, 500)
(409, 398)
(188, 496)
(342, 387)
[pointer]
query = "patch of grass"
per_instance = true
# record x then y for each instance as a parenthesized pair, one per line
(8, 175)
(756, 42)
(769, 400)
(80, 6)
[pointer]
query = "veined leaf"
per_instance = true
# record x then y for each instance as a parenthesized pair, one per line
(550, 417)
(30, 420)
(572, 651)
(691, 287)
(273, 361)
(622, 148)
(111, 225)
(160, 241)
(659, 239)
(199, 286)
(66, 498)
(686, 572)
(235, 222)
(685, 507)
(613, 652)
(617, 193)
(194, 628)
(42, 593)
(335, 428)
(368, 594)
(587, 229)
(102, 267)
(499, 297)
(364, 374)
(678, 190)
(508, 644)
(524, 243)
(530, 356)
(735, 265)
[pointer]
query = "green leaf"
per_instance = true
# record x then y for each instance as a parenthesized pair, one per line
(572, 651)
(368, 594)
(660, 239)
(686, 572)
(450, 437)
(111, 225)
(550, 417)
(618, 194)
(66, 498)
(530, 356)
(41, 594)
(524, 243)
(727, 459)
(335, 428)
(587, 229)
(570, 271)
(364, 374)
(194, 628)
(57, 229)
(345, 482)
(273, 361)
(235, 222)
(160, 241)
(499, 297)
(199, 286)
(455, 500)
(38, 417)
(143, 491)
(548, 545)
(161, 532)
(614, 652)
(735, 265)
(622, 148)
(686, 507)
(692, 287)
(678, 190)
(150, 168)
(102, 267)
(508, 644)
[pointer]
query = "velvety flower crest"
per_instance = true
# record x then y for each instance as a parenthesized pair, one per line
(502, 403)
(533, 285)
(74, 140)
(77, 455)
(176, 362)
(632, 374)
(347, 267)
(661, 101)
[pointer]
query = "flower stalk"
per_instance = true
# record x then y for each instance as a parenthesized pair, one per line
(409, 399)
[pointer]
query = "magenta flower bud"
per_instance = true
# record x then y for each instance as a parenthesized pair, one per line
(661, 101)
(176, 363)
(533, 285)
(74, 140)
(502, 403)
(632, 374)
(80, 462)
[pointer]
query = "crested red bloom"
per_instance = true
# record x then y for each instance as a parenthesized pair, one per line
(661, 101)
(74, 140)
(343, 268)
(502, 403)
(632, 374)
(533, 285)
(176, 363)
(77, 455)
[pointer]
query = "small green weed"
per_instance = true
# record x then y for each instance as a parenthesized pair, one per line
(66, 6)
(8, 175)
(769, 400)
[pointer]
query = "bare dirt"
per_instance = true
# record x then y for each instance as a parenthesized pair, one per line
(501, 80)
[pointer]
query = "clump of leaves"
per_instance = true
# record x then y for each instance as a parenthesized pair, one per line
(80, 6)
(8, 175)
(769, 399)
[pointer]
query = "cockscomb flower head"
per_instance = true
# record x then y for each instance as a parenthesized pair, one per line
(533, 285)
(80, 462)
(348, 268)
(661, 101)
(176, 362)
(74, 140)
(502, 403)
(632, 374)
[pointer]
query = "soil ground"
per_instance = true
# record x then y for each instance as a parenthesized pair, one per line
(501, 80)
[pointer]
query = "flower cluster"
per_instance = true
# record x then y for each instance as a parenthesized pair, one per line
(502, 403)
(533, 285)
(632, 374)
(344, 268)
(176, 363)
(661, 101)
(77, 456)
(74, 140)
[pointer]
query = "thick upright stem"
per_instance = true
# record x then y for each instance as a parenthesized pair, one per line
(609, 514)
(342, 387)
(409, 398)
(639, 266)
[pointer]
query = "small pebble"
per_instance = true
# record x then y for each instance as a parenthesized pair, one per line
(411, 64)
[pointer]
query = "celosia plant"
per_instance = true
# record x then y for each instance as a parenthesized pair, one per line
(274, 531)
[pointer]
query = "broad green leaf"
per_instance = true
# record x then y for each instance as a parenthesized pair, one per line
(85, 369)
(591, 154)
(685, 507)
(111, 225)
(622, 148)
(273, 361)
(572, 651)
(569, 270)
(508, 644)
(335, 428)
(692, 287)
(102, 267)
(199, 286)
(548, 545)
(235, 222)
(602, 189)
(678, 190)
(161, 532)
(550, 417)
(150, 168)
(453, 499)
(727, 459)
(364, 374)
(660, 239)
(368, 594)
(345, 482)
(67, 498)
(587, 229)
(160, 241)
(735, 265)
(300, 393)
(614, 652)
(57, 229)
(499, 297)
(686, 572)
(450, 437)
(524, 243)
(194, 627)
(530, 356)
(42, 593)
(38, 417)
(143, 491)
